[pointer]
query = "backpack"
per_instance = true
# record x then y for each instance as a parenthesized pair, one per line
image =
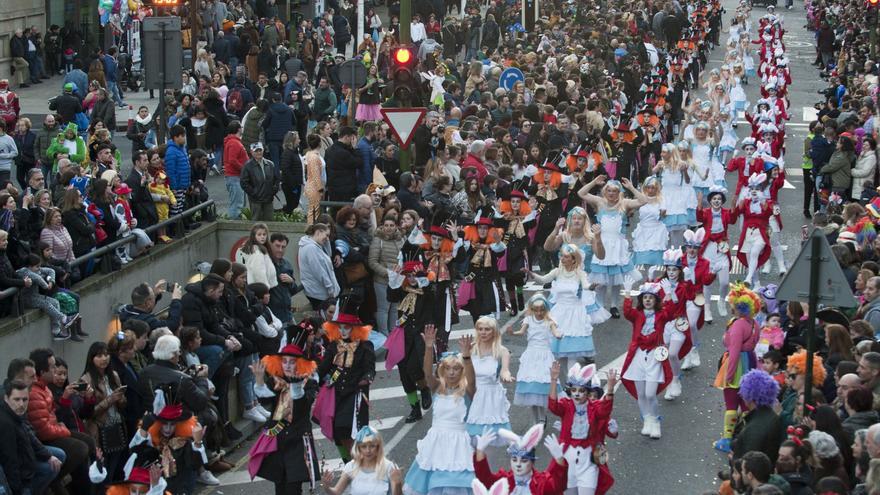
(234, 102)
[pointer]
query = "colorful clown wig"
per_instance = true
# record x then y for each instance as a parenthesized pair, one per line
(743, 300)
(864, 231)
(304, 367)
(759, 387)
(797, 363)
(358, 332)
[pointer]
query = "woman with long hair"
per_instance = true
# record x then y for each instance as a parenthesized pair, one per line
(291, 167)
(109, 405)
(369, 471)
(254, 254)
(576, 229)
(679, 198)
(489, 407)
(315, 177)
(651, 237)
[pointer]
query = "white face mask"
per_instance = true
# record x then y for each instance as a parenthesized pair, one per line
(578, 394)
(345, 331)
(521, 466)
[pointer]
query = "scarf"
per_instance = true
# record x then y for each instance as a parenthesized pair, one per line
(344, 354)
(515, 227)
(408, 304)
(482, 256)
(438, 262)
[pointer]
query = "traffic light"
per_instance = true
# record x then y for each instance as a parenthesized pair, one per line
(873, 4)
(404, 75)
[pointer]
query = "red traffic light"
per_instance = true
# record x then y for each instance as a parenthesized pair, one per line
(402, 56)
(873, 3)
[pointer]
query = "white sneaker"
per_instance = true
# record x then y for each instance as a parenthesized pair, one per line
(722, 306)
(673, 390)
(669, 395)
(695, 358)
(207, 478)
(766, 269)
(254, 415)
(646, 426)
(262, 410)
(686, 362)
(655, 427)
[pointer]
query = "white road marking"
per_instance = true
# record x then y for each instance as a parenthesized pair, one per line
(787, 185)
(794, 172)
(787, 124)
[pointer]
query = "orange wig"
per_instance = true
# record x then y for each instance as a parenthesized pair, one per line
(122, 489)
(358, 332)
(470, 234)
(445, 246)
(554, 180)
(797, 363)
(524, 208)
(304, 367)
(182, 429)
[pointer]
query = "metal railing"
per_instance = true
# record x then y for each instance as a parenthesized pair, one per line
(106, 261)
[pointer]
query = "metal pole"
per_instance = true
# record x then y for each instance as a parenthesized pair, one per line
(360, 27)
(194, 6)
(163, 122)
(405, 21)
(815, 263)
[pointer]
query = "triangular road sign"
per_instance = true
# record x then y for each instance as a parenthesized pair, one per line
(833, 290)
(403, 122)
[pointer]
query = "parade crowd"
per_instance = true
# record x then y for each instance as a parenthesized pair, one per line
(609, 177)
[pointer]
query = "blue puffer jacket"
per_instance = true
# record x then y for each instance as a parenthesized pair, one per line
(177, 166)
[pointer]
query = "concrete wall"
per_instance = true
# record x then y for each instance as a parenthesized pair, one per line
(101, 296)
(18, 14)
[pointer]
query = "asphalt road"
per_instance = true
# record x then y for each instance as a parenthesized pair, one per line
(683, 461)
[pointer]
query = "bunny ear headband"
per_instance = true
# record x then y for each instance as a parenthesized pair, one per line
(694, 238)
(581, 376)
(672, 257)
(498, 488)
(523, 446)
(756, 180)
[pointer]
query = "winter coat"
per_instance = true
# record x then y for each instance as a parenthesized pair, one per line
(278, 122)
(291, 169)
(325, 103)
(260, 181)
(105, 111)
(758, 430)
(860, 420)
(66, 106)
(383, 254)
(866, 165)
(60, 241)
(20, 451)
(197, 310)
(234, 156)
(252, 126)
(81, 231)
(41, 414)
(129, 312)
(316, 270)
(840, 169)
(343, 163)
(45, 136)
(166, 372)
(177, 166)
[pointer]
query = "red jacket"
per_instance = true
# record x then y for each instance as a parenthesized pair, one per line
(471, 161)
(744, 171)
(645, 342)
(552, 481)
(234, 156)
(760, 221)
(598, 414)
(728, 218)
(702, 272)
(41, 414)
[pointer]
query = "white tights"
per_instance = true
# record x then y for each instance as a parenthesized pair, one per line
(693, 314)
(723, 278)
(608, 296)
(674, 348)
(647, 394)
(754, 254)
(776, 250)
(539, 413)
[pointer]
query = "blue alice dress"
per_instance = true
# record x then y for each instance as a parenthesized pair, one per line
(489, 407)
(617, 266)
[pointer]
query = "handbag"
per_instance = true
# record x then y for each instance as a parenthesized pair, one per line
(393, 295)
(355, 272)
(113, 438)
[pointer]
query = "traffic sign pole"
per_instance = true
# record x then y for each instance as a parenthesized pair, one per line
(815, 266)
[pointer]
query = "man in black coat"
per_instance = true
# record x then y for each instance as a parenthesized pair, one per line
(343, 163)
(221, 48)
(199, 309)
(166, 370)
(278, 122)
(260, 180)
(28, 465)
(142, 206)
(66, 105)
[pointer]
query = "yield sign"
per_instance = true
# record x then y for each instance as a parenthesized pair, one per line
(403, 122)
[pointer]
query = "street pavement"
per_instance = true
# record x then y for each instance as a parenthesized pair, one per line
(683, 461)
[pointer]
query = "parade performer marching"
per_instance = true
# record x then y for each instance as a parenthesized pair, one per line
(616, 268)
(676, 282)
(440, 249)
(519, 218)
(369, 472)
(489, 408)
(740, 340)
(646, 369)
(679, 197)
(745, 165)
(754, 240)
(480, 290)
(285, 451)
(701, 276)
(345, 373)
(584, 427)
(772, 185)
(523, 479)
(716, 220)
(574, 306)
(576, 229)
(443, 464)
(533, 374)
(405, 344)
(651, 237)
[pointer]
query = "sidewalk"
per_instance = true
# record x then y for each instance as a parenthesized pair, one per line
(34, 101)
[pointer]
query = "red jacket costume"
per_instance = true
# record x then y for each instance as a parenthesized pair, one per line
(703, 276)
(644, 342)
(728, 218)
(684, 292)
(41, 414)
(552, 481)
(760, 221)
(598, 415)
(744, 171)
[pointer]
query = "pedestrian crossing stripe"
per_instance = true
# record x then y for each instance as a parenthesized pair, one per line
(788, 185)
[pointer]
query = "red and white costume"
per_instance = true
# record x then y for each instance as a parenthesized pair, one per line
(754, 240)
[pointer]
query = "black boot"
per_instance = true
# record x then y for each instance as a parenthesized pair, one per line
(521, 299)
(414, 415)
(512, 297)
(427, 400)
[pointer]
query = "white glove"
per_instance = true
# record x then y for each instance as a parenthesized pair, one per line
(688, 274)
(486, 439)
(612, 427)
(531, 170)
(667, 289)
(97, 475)
(553, 446)
(568, 179)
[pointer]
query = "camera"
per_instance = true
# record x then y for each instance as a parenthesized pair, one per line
(169, 286)
(82, 386)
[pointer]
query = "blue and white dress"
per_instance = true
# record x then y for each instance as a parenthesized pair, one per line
(490, 407)
(617, 266)
(533, 376)
(679, 200)
(444, 462)
(650, 237)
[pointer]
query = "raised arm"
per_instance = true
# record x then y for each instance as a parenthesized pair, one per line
(429, 336)
(465, 345)
(592, 199)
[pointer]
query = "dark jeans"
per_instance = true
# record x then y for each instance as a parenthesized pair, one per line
(77, 448)
(810, 191)
(44, 473)
(211, 356)
(291, 197)
(275, 152)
